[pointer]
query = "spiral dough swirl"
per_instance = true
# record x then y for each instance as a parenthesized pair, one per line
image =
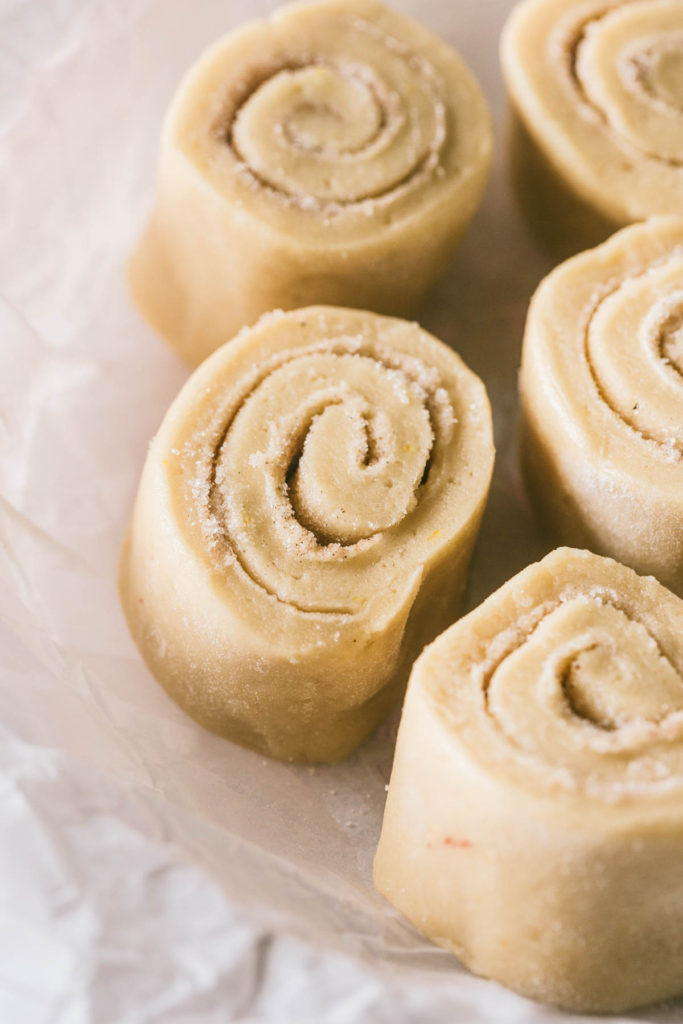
(552, 718)
(332, 153)
(565, 689)
(625, 62)
(327, 470)
(603, 98)
(337, 131)
(602, 396)
(343, 111)
(352, 433)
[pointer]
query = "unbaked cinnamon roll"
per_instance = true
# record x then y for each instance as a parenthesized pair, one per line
(303, 527)
(598, 90)
(602, 400)
(534, 823)
(332, 153)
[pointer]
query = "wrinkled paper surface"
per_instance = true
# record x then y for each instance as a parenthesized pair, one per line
(151, 872)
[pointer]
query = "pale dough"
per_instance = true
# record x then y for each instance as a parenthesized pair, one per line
(602, 400)
(304, 524)
(534, 823)
(333, 153)
(598, 89)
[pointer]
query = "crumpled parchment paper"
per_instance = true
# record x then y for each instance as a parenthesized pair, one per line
(151, 872)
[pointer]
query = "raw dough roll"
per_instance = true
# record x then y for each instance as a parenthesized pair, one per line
(534, 823)
(598, 88)
(602, 400)
(304, 524)
(333, 153)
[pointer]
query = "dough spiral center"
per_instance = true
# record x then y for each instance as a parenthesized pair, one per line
(318, 466)
(657, 70)
(587, 684)
(340, 129)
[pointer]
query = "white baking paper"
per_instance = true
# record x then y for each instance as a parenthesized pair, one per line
(151, 872)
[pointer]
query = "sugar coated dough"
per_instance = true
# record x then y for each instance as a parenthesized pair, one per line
(303, 526)
(534, 822)
(333, 153)
(598, 86)
(602, 400)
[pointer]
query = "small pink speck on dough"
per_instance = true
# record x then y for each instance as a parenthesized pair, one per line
(461, 844)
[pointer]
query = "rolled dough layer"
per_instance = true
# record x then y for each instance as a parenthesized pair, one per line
(602, 400)
(333, 153)
(534, 822)
(303, 527)
(598, 88)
